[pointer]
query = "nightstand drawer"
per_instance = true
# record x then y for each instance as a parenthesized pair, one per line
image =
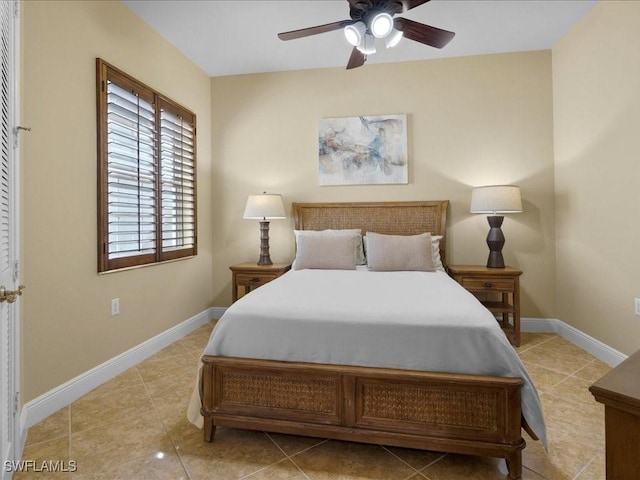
(479, 284)
(254, 280)
(248, 276)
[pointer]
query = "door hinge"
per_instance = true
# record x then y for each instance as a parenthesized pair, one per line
(16, 402)
(16, 270)
(16, 9)
(16, 134)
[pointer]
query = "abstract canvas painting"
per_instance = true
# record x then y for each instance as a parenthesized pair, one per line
(363, 150)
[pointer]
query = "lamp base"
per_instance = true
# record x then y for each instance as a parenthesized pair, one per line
(495, 241)
(265, 258)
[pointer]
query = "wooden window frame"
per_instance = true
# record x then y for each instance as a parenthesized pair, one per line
(105, 73)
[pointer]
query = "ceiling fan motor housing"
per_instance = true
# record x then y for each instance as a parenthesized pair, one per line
(366, 11)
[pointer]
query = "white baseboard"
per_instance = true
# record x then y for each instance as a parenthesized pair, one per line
(217, 312)
(601, 351)
(52, 401)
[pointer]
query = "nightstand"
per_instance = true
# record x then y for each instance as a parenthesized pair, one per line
(498, 289)
(250, 275)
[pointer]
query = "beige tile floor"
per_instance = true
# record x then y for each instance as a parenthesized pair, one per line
(134, 427)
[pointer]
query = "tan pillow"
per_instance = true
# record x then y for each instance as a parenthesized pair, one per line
(360, 259)
(329, 252)
(387, 253)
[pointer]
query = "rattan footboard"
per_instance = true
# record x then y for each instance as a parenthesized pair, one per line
(468, 414)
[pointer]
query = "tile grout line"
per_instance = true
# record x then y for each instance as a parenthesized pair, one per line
(545, 367)
(556, 371)
(104, 424)
(536, 472)
(249, 475)
(586, 465)
(531, 347)
(37, 444)
(592, 402)
(578, 442)
(164, 428)
(580, 369)
(406, 463)
(422, 470)
(159, 416)
(287, 457)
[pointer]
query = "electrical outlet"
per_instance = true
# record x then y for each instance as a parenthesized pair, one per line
(638, 306)
(115, 306)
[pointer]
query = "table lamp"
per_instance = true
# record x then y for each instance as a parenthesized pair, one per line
(493, 199)
(264, 207)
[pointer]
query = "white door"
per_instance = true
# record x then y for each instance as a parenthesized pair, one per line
(9, 272)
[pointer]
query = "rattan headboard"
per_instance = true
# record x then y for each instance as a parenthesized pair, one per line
(391, 218)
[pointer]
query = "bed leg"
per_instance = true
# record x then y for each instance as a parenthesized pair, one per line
(209, 430)
(514, 465)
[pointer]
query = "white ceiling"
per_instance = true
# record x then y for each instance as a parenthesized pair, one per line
(229, 37)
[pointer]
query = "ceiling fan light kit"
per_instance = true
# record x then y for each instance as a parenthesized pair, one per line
(381, 25)
(368, 46)
(371, 19)
(393, 38)
(355, 33)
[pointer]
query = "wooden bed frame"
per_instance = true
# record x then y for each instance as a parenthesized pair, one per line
(467, 414)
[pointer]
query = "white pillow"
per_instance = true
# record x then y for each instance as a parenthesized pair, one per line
(435, 249)
(329, 252)
(360, 258)
(387, 253)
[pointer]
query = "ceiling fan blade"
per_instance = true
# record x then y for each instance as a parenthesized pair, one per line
(419, 32)
(356, 59)
(409, 4)
(306, 32)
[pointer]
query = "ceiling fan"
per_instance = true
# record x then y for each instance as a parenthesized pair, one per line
(371, 19)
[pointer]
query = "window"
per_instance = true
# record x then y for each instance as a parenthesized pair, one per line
(146, 174)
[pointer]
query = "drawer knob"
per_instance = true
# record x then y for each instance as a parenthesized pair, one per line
(488, 285)
(255, 279)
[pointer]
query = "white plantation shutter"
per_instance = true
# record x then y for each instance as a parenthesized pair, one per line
(131, 173)
(177, 170)
(147, 176)
(5, 140)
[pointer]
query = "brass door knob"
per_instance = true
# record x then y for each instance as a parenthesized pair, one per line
(10, 296)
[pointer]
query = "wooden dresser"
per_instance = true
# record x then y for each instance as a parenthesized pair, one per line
(619, 391)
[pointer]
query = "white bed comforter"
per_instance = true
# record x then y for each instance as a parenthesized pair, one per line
(405, 320)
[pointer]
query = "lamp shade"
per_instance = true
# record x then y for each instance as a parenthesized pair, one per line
(494, 199)
(265, 206)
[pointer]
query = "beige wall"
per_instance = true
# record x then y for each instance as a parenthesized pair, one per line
(596, 82)
(67, 327)
(472, 121)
